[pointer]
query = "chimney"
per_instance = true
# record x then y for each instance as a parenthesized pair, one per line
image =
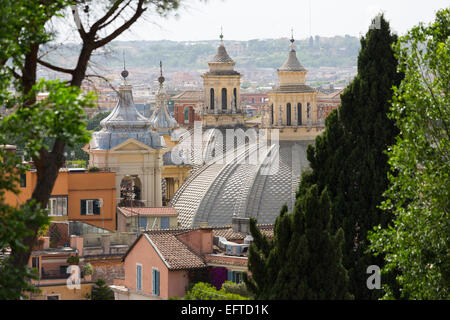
(106, 243)
(240, 225)
(46, 242)
(76, 242)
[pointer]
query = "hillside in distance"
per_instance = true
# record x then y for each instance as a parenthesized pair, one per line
(337, 51)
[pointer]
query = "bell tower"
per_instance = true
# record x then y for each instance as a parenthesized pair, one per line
(222, 91)
(293, 104)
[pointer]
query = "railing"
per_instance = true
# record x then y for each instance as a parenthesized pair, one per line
(54, 275)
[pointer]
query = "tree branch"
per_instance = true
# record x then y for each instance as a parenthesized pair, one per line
(139, 11)
(115, 17)
(96, 26)
(55, 68)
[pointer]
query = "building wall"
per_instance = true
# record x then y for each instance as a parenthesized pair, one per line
(77, 186)
(64, 292)
(107, 270)
(179, 109)
(144, 254)
(199, 240)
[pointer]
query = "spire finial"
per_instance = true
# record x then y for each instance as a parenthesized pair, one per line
(124, 73)
(161, 78)
(221, 36)
(292, 35)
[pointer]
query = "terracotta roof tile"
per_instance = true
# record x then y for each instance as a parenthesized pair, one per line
(146, 211)
(177, 255)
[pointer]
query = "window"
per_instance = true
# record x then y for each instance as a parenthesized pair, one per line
(186, 115)
(224, 98)
(90, 207)
(288, 114)
(271, 114)
(138, 277)
(299, 114)
(57, 206)
(235, 97)
(23, 180)
(165, 223)
(143, 222)
(155, 281)
(211, 98)
(35, 262)
(234, 276)
(53, 297)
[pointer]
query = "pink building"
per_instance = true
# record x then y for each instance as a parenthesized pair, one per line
(161, 263)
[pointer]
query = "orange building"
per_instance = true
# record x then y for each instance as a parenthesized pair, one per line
(78, 195)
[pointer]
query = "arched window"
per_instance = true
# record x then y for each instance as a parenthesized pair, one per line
(186, 115)
(271, 114)
(211, 98)
(224, 98)
(235, 97)
(299, 114)
(288, 114)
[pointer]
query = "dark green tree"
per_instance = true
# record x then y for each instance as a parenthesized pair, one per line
(100, 291)
(304, 260)
(349, 158)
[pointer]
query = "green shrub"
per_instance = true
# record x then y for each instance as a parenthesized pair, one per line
(205, 291)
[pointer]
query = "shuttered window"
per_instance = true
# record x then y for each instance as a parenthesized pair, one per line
(90, 207)
(155, 281)
(165, 223)
(138, 277)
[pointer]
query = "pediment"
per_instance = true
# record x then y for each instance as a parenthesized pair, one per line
(132, 145)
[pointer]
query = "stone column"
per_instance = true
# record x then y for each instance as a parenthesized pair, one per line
(158, 187)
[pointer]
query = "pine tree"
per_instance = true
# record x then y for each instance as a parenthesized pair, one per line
(100, 291)
(349, 157)
(304, 260)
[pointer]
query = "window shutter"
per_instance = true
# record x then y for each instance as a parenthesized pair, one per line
(138, 278)
(165, 223)
(230, 275)
(97, 207)
(157, 282)
(83, 207)
(154, 281)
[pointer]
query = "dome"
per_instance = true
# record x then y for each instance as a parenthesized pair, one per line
(215, 192)
(124, 122)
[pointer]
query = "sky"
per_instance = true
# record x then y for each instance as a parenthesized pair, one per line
(261, 19)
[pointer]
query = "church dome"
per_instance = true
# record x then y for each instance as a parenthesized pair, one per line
(216, 191)
(124, 122)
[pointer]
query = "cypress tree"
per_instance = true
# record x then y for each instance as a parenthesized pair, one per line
(349, 157)
(304, 260)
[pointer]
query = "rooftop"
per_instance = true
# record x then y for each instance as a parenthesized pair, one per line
(148, 211)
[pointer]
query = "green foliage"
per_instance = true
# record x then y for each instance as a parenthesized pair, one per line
(88, 269)
(94, 169)
(348, 159)
(417, 242)
(22, 23)
(100, 291)
(304, 260)
(73, 260)
(206, 291)
(237, 288)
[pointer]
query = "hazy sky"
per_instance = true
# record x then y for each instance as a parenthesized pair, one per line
(258, 19)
